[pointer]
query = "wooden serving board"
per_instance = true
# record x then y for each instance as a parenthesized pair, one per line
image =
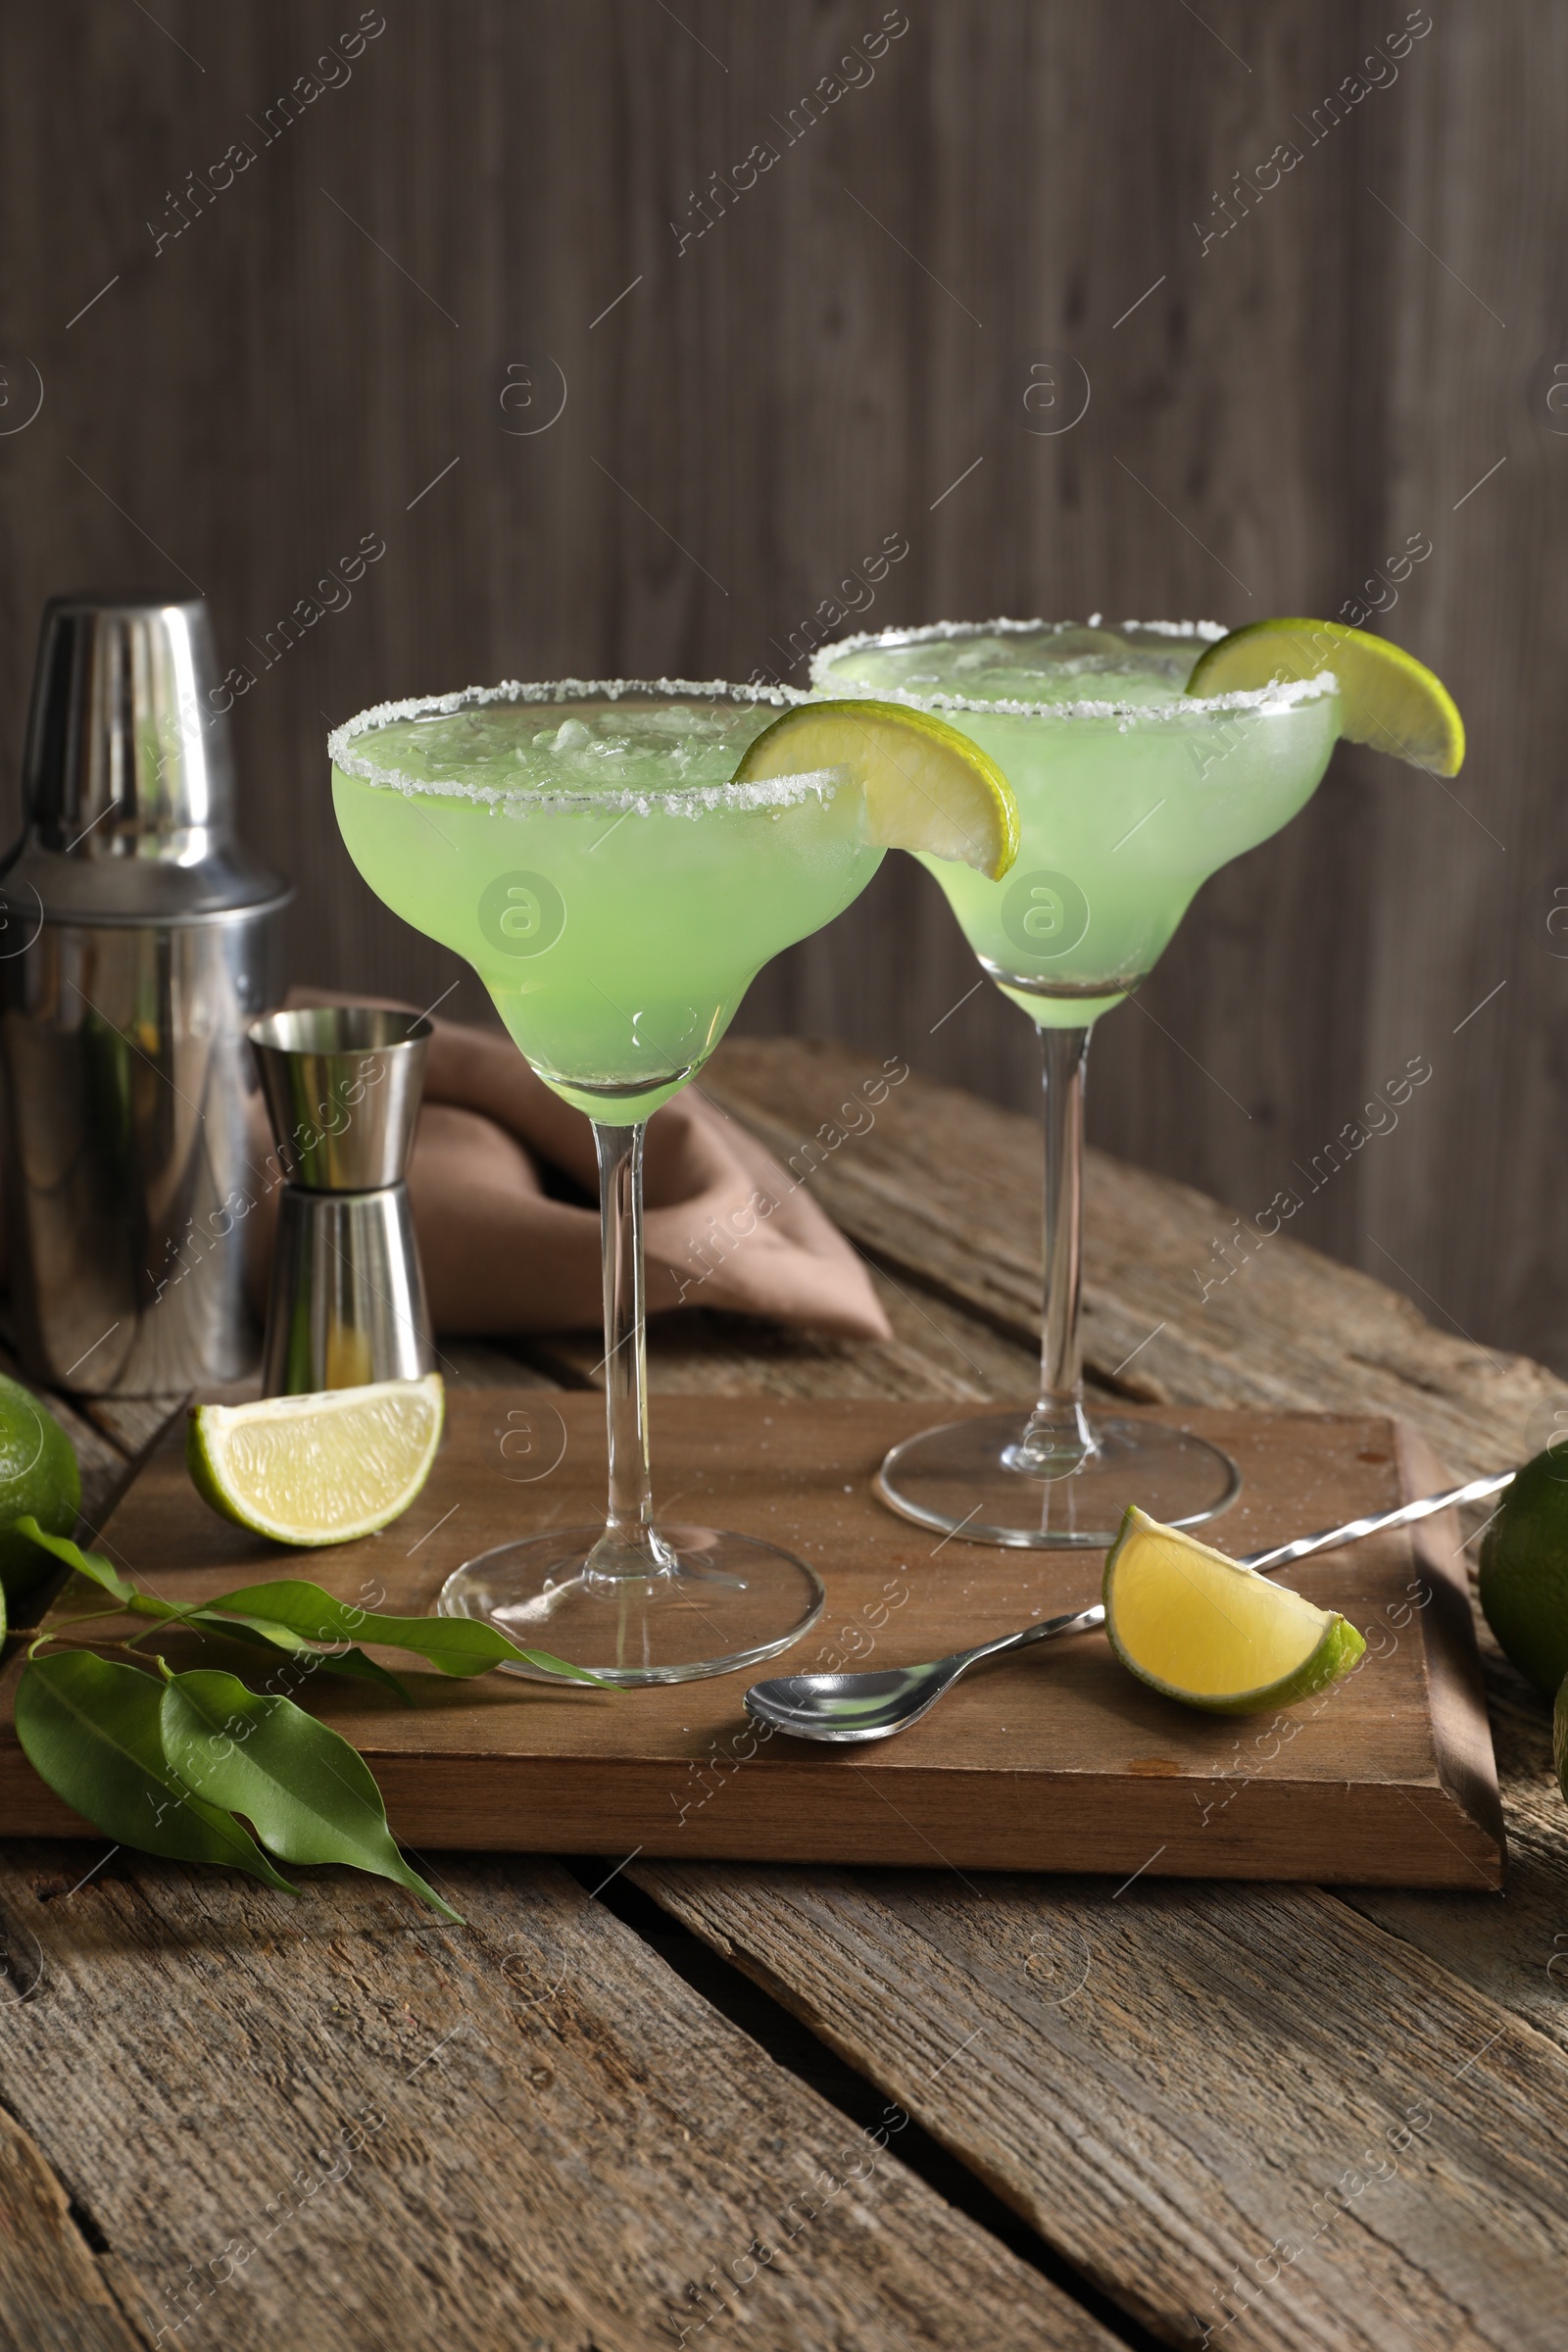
(1052, 1760)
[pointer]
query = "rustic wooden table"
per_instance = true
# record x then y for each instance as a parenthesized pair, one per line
(863, 2110)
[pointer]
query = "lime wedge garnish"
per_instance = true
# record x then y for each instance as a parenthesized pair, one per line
(320, 1469)
(1194, 1625)
(925, 786)
(1387, 698)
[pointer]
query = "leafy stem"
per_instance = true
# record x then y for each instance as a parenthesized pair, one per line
(82, 1649)
(190, 1764)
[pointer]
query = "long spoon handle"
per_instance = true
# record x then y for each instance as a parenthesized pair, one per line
(1076, 1621)
(1083, 1621)
(1354, 1529)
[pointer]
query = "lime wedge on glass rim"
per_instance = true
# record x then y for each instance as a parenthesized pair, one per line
(925, 786)
(317, 1469)
(1198, 1627)
(1387, 698)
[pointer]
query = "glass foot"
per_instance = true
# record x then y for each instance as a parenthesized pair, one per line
(715, 1602)
(983, 1481)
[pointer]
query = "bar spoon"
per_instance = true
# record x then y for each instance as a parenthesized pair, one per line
(875, 1705)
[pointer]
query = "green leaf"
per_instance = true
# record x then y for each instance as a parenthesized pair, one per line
(292, 1614)
(311, 1795)
(86, 1563)
(456, 1645)
(258, 1630)
(91, 1729)
(265, 1632)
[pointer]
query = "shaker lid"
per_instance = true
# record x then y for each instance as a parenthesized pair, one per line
(127, 777)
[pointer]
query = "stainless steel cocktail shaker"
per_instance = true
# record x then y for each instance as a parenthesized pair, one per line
(137, 939)
(342, 1085)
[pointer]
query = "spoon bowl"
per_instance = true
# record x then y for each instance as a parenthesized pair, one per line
(873, 1706)
(852, 1706)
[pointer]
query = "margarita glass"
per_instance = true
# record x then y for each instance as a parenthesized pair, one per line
(1130, 794)
(582, 845)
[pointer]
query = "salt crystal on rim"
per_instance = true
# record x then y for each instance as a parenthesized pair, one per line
(1277, 695)
(679, 799)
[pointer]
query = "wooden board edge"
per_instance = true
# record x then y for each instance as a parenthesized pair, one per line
(28, 1806)
(528, 1806)
(1427, 1842)
(1431, 1844)
(1461, 1728)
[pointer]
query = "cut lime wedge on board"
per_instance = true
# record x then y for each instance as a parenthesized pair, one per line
(318, 1469)
(1198, 1627)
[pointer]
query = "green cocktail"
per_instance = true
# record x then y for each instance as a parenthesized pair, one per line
(592, 861)
(1130, 794)
(584, 848)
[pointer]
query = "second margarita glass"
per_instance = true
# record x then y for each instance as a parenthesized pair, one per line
(1130, 794)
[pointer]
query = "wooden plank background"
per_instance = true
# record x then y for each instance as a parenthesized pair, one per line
(366, 333)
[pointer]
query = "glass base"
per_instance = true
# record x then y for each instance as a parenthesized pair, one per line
(709, 1603)
(982, 1482)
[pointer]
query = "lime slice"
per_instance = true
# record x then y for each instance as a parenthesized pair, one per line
(926, 787)
(1387, 698)
(321, 1469)
(1194, 1625)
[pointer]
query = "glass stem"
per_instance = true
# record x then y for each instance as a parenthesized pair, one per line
(1057, 1438)
(628, 1546)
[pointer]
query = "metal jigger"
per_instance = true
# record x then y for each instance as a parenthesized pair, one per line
(342, 1083)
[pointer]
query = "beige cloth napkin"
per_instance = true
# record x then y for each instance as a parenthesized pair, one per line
(724, 1225)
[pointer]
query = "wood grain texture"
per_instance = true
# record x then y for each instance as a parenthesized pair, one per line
(132, 1424)
(53, 2296)
(1520, 1959)
(841, 355)
(334, 2122)
(1466, 893)
(922, 1191)
(939, 1350)
(1170, 2085)
(1175, 1307)
(1064, 1763)
(1336, 2009)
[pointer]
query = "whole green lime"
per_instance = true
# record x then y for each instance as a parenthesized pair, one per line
(38, 1474)
(1524, 1572)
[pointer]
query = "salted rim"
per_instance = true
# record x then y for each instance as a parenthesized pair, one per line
(679, 799)
(1274, 697)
